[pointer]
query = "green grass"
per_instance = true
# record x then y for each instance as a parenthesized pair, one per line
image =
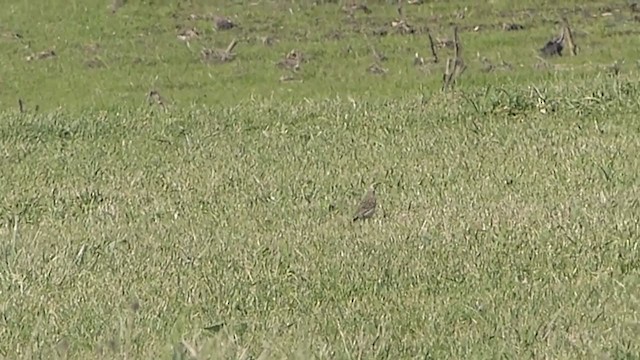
(508, 208)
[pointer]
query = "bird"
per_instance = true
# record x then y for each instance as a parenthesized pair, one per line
(155, 98)
(367, 207)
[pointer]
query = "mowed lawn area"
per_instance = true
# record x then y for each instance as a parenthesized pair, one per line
(178, 180)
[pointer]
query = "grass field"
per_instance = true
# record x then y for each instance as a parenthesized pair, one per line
(218, 225)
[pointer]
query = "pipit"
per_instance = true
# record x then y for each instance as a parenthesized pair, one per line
(155, 98)
(367, 207)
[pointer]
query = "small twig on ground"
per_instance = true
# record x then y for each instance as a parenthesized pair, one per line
(568, 36)
(231, 46)
(220, 55)
(448, 74)
(432, 46)
(456, 42)
(456, 66)
(460, 66)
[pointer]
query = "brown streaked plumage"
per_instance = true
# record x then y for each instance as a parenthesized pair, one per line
(367, 207)
(155, 98)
